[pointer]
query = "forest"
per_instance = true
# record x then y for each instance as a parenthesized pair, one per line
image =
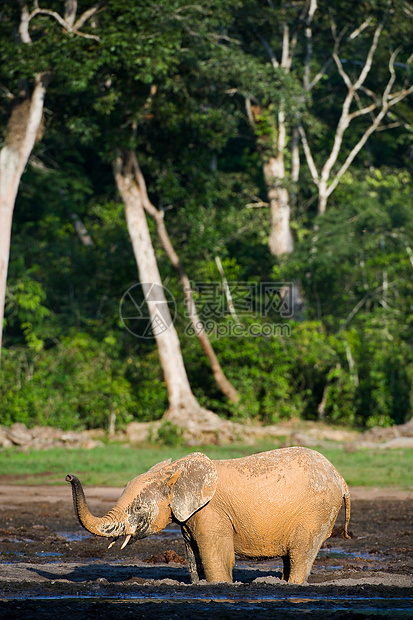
(206, 207)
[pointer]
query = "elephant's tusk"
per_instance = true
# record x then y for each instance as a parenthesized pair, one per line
(125, 542)
(112, 543)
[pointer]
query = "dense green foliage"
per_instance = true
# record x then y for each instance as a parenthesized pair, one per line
(169, 81)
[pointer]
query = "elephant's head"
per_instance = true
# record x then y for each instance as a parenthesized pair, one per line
(167, 492)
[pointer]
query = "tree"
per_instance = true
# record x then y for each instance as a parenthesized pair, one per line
(120, 102)
(277, 35)
(318, 46)
(225, 386)
(183, 406)
(24, 126)
(362, 100)
(22, 130)
(356, 271)
(133, 117)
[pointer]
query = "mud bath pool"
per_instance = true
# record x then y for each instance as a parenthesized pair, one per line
(50, 566)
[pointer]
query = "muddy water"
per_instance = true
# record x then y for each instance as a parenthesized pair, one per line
(49, 566)
(97, 589)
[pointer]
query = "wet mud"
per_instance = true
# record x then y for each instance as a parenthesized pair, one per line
(50, 566)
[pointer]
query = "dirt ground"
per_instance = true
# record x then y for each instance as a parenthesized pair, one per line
(50, 566)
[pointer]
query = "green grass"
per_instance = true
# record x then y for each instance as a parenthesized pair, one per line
(374, 468)
(115, 465)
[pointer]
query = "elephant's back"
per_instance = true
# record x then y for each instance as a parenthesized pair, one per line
(276, 473)
(282, 459)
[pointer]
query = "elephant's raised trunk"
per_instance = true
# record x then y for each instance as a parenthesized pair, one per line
(109, 525)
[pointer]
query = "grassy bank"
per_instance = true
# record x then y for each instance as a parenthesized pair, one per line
(115, 465)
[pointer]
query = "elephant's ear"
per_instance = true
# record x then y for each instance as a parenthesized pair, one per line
(192, 483)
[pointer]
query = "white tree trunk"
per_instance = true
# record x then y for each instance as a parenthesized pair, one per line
(280, 240)
(183, 406)
(322, 196)
(22, 130)
(226, 387)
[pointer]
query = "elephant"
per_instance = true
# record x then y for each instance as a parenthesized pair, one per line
(280, 503)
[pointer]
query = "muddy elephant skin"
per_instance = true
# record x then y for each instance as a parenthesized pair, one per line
(281, 503)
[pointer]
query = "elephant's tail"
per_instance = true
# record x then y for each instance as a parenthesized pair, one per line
(346, 497)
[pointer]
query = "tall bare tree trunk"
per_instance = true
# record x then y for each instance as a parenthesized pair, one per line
(184, 409)
(225, 386)
(24, 128)
(280, 240)
(22, 131)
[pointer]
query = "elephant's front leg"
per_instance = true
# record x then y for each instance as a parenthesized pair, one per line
(217, 557)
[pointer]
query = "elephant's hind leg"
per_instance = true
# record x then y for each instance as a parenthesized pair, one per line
(300, 568)
(301, 559)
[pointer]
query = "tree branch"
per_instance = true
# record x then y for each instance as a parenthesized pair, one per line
(24, 23)
(369, 60)
(267, 46)
(308, 155)
(286, 58)
(345, 117)
(387, 102)
(249, 112)
(362, 111)
(320, 74)
(86, 15)
(70, 11)
(308, 18)
(67, 25)
(360, 29)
